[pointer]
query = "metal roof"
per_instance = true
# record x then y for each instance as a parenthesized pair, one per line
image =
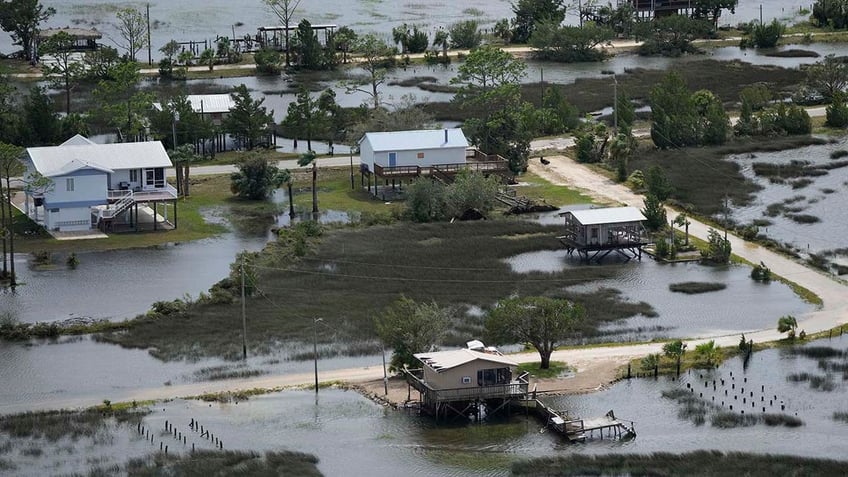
(207, 103)
(416, 140)
(442, 360)
(76, 164)
(58, 160)
(78, 140)
(607, 215)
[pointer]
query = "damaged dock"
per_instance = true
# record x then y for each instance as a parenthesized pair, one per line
(578, 430)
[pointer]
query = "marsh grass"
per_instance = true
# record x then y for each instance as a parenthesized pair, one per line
(841, 417)
(218, 373)
(817, 382)
(55, 425)
(208, 462)
(729, 420)
(694, 288)
(693, 464)
(816, 352)
(702, 176)
(804, 218)
(354, 273)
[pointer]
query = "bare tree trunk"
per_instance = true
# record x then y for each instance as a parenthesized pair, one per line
(178, 170)
(186, 180)
(315, 188)
(291, 200)
(11, 234)
(3, 225)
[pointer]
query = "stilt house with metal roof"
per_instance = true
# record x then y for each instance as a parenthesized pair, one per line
(595, 233)
(466, 382)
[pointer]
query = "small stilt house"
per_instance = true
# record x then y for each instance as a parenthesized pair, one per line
(595, 233)
(466, 382)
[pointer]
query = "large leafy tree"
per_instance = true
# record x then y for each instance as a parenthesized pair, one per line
(256, 178)
(39, 123)
(304, 118)
(530, 13)
(249, 121)
(310, 53)
(828, 76)
(671, 35)
(122, 104)
(541, 321)
(675, 120)
(9, 112)
(21, 18)
(570, 43)
(711, 9)
(465, 34)
(132, 27)
(64, 73)
(284, 10)
(489, 80)
(409, 327)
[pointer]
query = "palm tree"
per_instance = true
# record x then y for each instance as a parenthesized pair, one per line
(708, 353)
(207, 57)
(787, 324)
(675, 350)
(682, 221)
(182, 158)
(442, 40)
(305, 159)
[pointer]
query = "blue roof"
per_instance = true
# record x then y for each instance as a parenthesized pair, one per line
(416, 140)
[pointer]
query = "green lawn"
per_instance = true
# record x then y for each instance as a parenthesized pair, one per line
(539, 188)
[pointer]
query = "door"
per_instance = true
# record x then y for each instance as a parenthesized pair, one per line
(392, 159)
(149, 178)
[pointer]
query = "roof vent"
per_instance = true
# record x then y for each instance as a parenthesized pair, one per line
(475, 345)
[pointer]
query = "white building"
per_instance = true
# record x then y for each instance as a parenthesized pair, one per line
(412, 149)
(211, 107)
(97, 184)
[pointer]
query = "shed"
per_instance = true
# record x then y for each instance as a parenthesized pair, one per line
(604, 230)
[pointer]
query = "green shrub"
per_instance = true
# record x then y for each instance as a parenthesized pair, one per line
(268, 61)
(761, 273)
(767, 35)
(837, 112)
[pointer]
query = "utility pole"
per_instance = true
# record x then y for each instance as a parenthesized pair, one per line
(615, 105)
(243, 316)
(541, 87)
(315, 349)
(726, 212)
(149, 46)
(385, 375)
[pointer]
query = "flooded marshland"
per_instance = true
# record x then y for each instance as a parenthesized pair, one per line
(353, 436)
(802, 198)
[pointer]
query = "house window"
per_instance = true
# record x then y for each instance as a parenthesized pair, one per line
(466, 380)
(420, 155)
(69, 185)
(133, 175)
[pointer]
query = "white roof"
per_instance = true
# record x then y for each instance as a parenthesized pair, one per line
(207, 103)
(59, 160)
(442, 360)
(607, 215)
(416, 140)
(78, 140)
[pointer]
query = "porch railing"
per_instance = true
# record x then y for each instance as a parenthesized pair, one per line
(518, 387)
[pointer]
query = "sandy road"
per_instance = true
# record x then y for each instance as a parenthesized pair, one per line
(595, 366)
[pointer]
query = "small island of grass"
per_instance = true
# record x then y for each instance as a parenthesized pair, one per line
(694, 288)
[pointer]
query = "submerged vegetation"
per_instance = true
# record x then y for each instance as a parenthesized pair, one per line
(694, 288)
(699, 463)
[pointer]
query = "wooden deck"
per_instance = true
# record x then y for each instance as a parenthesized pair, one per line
(447, 403)
(578, 430)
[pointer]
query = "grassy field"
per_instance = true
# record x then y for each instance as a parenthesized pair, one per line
(699, 463)
(206, 462)
(354, 273)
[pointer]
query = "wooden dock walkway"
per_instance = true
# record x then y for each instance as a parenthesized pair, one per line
(578, 430)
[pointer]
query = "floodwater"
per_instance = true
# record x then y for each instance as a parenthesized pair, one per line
(353, 436)
(122, 283)
(823, 198)
(205, 20)
(743, 306)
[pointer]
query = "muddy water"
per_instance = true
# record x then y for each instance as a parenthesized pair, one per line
(353, 436)
(823, 198)
(202, 20)
(121, 284)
